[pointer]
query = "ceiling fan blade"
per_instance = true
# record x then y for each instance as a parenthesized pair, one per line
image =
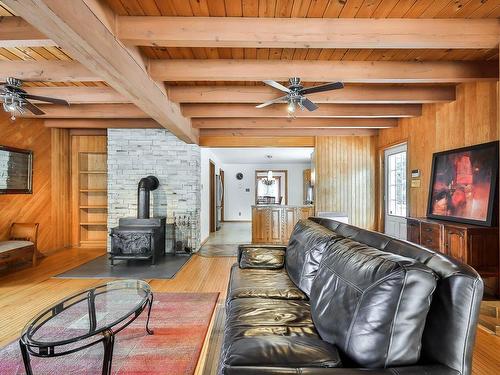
(281, 99)
(321, 88)
(276, 85)
(309, 105)
(33, 108)
(45, 99)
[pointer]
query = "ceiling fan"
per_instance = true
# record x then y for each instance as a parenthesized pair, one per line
(15, 99)
(295, 94)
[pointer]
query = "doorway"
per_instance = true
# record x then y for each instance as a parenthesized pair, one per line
(395, 194)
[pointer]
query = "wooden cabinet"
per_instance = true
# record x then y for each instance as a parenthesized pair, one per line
(273, 224)
(413, 230)
(471, 244)
(259, 233)
(454, 243)
(430, 236)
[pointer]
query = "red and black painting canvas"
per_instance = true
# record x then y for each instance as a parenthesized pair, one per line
(463, 184)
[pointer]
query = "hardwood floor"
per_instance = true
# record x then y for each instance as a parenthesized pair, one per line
(27, 291)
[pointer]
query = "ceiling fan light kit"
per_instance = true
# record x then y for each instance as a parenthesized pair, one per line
(15, 99)
(295, 94)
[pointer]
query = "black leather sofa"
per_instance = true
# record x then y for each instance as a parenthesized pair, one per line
(345, 301)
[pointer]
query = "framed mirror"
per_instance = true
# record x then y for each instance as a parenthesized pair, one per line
(16, 171)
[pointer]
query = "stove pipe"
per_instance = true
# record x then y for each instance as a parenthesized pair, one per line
(146, 184)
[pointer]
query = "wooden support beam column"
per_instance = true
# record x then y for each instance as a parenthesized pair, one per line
(48, 70)
(284, 132)
(323, 71)
(365, 94)
(102, 123)
(247, 32)
(289, 123)
(16, 32)
(81, 94)
(109, 111)
(81, 30)
(230, 141)
(325, 110)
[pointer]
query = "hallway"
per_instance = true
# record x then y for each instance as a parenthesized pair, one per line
(225, 241)
(231, 233)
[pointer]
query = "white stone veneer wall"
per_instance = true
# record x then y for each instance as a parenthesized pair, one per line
(137, 153)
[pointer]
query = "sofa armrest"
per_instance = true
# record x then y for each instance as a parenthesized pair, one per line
(261, 256)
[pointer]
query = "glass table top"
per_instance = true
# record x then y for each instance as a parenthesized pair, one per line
(87, 313)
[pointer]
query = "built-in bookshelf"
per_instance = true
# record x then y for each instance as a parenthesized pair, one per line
(89, 190)
(93, 198)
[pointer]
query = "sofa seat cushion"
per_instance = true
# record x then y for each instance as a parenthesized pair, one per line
(261, 257)
(280, 351)
(372, 304)
(12, 245)
(238, 332)
(305, 249)
(246, 283)
(268, 312)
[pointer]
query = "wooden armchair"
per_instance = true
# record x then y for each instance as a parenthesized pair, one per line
(22, 242)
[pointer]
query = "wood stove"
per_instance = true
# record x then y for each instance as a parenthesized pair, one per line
(142, 237)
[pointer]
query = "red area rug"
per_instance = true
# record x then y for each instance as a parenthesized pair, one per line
(180, 322)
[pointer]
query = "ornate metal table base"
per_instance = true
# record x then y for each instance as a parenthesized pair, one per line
(29, 347)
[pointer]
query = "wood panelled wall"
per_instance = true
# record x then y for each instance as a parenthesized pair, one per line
(345, 177)
(49, 203)
(469, 120)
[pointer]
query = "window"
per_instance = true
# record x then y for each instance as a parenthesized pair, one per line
(396, 184)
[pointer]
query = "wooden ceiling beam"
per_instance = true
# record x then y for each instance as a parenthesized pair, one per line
(81, 94)
(289, 123)
(284, 132)
(113, 123)
(109, 111)
(247, 32)
(325, 110)
(82, 28)
(323, 71)
(16, 32)
(365, 94)
(48, 70)
(272, 141)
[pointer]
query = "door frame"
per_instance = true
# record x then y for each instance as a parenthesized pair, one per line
(383, 181)
(285, 171)
(221, 175)
(211, 193)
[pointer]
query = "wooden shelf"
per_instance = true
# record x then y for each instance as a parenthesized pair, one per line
(91, 184)
(93, 243)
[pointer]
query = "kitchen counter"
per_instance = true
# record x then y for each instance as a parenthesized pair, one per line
(273, 223)
(283, 205)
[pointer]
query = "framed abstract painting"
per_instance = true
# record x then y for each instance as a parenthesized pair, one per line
(463, 184)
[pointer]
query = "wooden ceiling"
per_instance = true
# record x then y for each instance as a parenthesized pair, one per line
(222, 106)
(310, 8)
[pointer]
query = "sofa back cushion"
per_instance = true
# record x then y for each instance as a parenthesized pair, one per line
(307, 244)
(371, 304)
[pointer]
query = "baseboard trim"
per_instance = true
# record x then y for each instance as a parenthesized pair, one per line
(204, 241)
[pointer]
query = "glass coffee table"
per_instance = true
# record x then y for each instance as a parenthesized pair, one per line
(85, 319)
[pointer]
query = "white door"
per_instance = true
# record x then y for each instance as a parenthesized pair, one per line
(395, 191)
